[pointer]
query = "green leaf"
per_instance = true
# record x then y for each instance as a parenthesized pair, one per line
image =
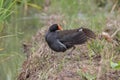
(115, 65)
(34, 6)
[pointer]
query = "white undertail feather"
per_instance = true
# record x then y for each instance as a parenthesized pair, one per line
(80, 29)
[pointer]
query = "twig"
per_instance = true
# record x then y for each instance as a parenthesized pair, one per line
(115, 32)
(114, 6)
(100, 70)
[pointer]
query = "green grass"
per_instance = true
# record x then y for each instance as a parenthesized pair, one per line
(14, 30)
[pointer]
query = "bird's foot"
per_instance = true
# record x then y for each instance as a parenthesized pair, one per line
(70, 53)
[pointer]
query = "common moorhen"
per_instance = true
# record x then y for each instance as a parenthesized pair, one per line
(60, 40)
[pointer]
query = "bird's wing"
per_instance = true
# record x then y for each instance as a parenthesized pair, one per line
(75, 36)
(62, 33)
(89, 33)
(72, 37)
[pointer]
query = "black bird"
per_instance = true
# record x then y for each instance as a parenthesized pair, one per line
(60, 40)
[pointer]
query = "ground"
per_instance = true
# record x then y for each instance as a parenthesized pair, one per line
(85, 63)
(90, 61)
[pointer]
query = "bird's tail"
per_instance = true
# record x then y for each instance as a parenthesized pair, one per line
(89, 33)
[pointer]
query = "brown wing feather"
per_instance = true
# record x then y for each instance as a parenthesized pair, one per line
(72, 36)
(62, 33)
(75, 36)
(89, 33)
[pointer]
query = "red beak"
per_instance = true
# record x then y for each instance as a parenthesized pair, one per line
(59, 27)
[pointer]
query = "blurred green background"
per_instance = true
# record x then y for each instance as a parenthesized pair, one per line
(19, 22)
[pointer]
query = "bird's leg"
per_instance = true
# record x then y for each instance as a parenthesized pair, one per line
(70, 53)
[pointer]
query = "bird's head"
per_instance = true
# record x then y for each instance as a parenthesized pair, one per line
(55, 27)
